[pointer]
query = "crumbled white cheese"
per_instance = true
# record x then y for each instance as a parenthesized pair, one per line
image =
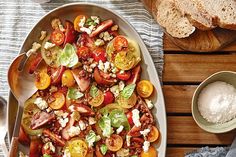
(121, 85)
(149, 103)
(128, 140)
(115, 90)
(53, 89)
(60, 113)
(82, 125)
(101, 35)
(146, 146)
(67, 153)
(49, 45)
(106, 66)
(100, 65)
(95, 19)
(75, 115)
(42, 104)
(87, 30)
(49, 109)
(74, 131)
(114, 28)
(21, 154)
(145, 132)
(91, 121)
(135, 117)
(63, 121)
(113, 75)
(107, 36)
(35, 47)
(82, 22)
(120, 129)
(122, 72)
(99, 42)
(49, 146)
(92, 27)
(43, 35)
(93, 65)
(114, 69)
(56, 24)
(122, 152)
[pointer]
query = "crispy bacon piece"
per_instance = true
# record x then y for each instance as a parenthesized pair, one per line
(54, 137)
(41, 118)
(81, 78)
(64, 133)
(83, 109)
(102, 27)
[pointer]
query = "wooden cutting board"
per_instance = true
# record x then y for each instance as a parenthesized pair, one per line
(199, 41)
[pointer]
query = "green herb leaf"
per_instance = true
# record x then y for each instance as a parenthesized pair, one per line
(128, 91)
(103, 149)
(105, 124)
(90, 22)
(91, 138)
(74, 93)
(119, 118)
(93, 91)
(68, 57)
(46, 155)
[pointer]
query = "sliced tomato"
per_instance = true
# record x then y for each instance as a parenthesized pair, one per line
(84, 52)
(56, 74)
(154, 134)
(65, 134)
(108, 98)
(98, 100)
(127, 103)
(57, 37)
(59, 101)
(114, 143)
(144, 88)
(70, 34)
(35, 148)
(85, 40)
(77, 21)
(102, 27)
(23, 137)
(67, 78)
(34, 64)
(77, 147)
(42, 81)
(123, 76)
(120, 42)
(99, 54)
(135, 75)
(101, 80)
(129, 117)
(81, 79)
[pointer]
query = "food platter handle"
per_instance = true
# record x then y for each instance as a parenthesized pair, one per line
(14, 147)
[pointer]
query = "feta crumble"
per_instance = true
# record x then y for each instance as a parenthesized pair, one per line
(35, 47)
(49, 45)
(63, 121)
(82, 22)
(67, 153)
(146, 146)
(74, 131)
(121, 85)
(122, 152)
(145, 132)
(87, 30)
(56, 24)
(100, 65)
(135, 117)
(107, 36)
(91, 121)
(149, 103)
(43, 35)
(50, 146)
(82, 125)
(99, 42)
(128, 140)
(95, 19)
(106, 66)
(114, 28)
(115, 90)
(120, 129)
(42, 104)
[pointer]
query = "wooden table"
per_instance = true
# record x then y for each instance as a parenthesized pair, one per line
(183, 71)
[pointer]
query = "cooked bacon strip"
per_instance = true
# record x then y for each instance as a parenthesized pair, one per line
(102, 27)
(54, 137)
(83, 109)
(41, 118)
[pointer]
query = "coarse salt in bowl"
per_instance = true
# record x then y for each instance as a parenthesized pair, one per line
(214, 103)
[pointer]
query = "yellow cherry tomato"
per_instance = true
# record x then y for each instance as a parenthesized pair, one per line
(98, 100)
(124, 60)
(59, 101)
(77, 147)
(150, 153)
(77, 21)
(127, 103)
(42, 81)
(68, 79)
(114, 143)
(153, 134)
(144, 88)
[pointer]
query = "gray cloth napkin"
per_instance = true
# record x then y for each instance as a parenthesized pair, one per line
(210, 152)
(19, 16)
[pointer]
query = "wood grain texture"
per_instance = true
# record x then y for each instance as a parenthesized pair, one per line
(183, 130)
(179, 151)
(195, 67)
(178, 98)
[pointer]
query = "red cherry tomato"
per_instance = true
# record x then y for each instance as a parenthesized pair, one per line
(123, 76)
(99, 54)
(84, 52)
(57, 37)
(108, 97)
(120, 42)
(35, 148)
(23, 137)
(70, 34)
(129, 117)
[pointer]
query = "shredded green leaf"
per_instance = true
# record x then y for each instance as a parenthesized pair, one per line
(103, 149)
(128, 91)
(68, 57)
(46, 155)
(91, 138)
(74, 93)
(105, 124)
(90, 22)
(93, 91)
(119, 118)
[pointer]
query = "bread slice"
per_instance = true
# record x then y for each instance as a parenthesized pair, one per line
(224, 12)
(196, 14)
(175, 23)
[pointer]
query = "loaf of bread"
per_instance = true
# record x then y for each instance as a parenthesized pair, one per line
(180, 17)
(173, 20)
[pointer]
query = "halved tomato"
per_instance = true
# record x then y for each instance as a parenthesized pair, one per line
(57, 37)
(108, 98)
(67, 78)
(101, 80)
(124, 60)
(42, 81)
(150, 153)
(153, 135)
(114, 143)
(77, 21)
(59, 101)
(70, 34)
(35, 148)
(123, 76)
(127, 103)
(120, 42)
(99, 54)
(84, 52)
(144, 88)
(129, 117)
(98, 100)
(23, 137)
(77, 147)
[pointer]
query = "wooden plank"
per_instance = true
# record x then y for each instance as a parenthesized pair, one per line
(168, 45)
(178, 98)
(178, 151)
(195, 67)
(184, 130)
